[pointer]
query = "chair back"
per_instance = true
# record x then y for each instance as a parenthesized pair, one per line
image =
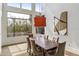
(33, 44)
(28, 42)
(57, 39)
(28, 46)
(61, 49)
(31, 35)
(33, 47)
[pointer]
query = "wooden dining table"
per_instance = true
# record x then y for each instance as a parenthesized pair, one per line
(46, 45)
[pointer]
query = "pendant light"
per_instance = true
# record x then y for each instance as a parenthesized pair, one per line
(40, 20)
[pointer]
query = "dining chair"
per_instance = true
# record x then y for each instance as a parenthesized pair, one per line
(34, 51)
(61, 49)
(31, 35)
(28, 46)
(33, 48)
(56, 39)
(52, 52)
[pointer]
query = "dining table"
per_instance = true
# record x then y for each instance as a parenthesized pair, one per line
(45, 44)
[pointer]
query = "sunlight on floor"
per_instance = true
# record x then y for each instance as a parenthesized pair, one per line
(18, 49)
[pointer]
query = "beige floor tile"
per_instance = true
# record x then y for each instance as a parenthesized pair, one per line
(13, 49)
(22, 46)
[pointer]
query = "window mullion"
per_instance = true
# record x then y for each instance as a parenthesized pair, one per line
(14, 27)
(20, 5)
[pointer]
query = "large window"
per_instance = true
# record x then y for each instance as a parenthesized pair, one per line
(27, 6)
(14, 5)
(19, 24)
(38, 7)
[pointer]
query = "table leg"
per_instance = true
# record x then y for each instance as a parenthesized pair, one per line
(43, 52)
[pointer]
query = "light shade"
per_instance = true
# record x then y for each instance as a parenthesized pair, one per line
(39, 21)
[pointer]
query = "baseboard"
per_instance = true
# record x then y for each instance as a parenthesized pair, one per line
(72, 51)
(12, 44)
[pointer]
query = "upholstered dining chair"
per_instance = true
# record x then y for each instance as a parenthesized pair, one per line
(28, 46)
(61, 49)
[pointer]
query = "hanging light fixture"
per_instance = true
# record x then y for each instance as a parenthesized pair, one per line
(40, 20)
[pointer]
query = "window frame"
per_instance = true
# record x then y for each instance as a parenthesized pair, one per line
(14, 6)
(26, 8)
(14, 21)
(6, 9)
(20, 6)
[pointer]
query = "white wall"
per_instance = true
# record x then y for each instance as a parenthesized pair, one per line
(51, 10)
(0, 24)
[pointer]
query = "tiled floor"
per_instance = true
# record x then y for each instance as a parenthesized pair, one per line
(71, 54)
(21, 50)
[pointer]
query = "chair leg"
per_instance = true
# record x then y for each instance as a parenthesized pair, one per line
(29, 52)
